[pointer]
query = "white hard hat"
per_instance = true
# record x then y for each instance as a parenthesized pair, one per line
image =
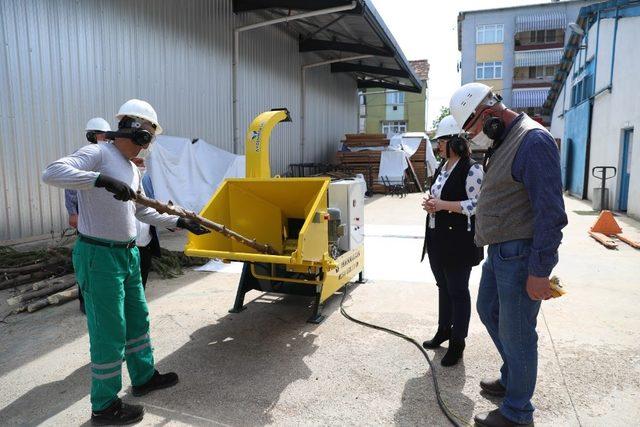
(447, 127)
(98, 123)
(466, 99)
(140, 109)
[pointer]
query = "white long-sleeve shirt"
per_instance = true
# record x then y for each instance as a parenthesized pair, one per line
(100, 215)
(472, 188)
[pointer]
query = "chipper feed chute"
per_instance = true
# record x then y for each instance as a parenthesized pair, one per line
(292, 216)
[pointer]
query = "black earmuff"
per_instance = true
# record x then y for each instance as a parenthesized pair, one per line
(91, 137)
(493, 127)
(458, 145)
(139, 137)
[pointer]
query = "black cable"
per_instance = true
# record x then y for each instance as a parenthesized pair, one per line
(455, 419)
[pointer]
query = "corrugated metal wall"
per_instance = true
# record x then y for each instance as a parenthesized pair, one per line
(64, 61)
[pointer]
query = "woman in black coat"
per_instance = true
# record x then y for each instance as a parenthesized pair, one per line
(449, 237)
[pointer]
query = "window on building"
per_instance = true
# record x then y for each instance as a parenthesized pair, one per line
(551, 36)
(489, 70)
(536, 72)
(487, 34)
(394, 127)
(395, 98)
(549, 71)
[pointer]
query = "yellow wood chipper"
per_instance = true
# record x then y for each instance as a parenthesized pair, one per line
(313, 227)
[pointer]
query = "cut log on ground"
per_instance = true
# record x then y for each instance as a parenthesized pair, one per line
(24, 279)
(57, 285)
(48, 282)
(64, 296)
(37, 305)
(38, 266)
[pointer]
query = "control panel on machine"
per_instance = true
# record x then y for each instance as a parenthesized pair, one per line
(347, 197)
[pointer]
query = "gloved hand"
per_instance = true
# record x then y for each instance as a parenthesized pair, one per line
(120, 190)
(192, 226)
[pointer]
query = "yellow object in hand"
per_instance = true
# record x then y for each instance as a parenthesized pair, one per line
(556, 288)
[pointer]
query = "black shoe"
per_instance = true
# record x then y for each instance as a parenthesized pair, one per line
(496, 419)
(157, 382)
(454, 353)
(493, 388)
(441, 336)
(118, 414)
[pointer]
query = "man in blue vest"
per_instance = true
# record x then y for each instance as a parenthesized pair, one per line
(520, 216)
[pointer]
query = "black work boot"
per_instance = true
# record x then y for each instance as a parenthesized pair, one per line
(496, 419)
(157, 382)
(493, 388)
(441, 336)
(454, 353)
(117, 414)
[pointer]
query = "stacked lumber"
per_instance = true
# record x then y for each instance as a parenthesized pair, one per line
(367, 162)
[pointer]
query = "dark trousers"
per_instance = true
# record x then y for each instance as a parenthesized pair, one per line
(454, 301)
(146, 253)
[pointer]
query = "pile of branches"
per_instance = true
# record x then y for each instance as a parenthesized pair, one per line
(44, 277)
(20, 268)
(170, 263)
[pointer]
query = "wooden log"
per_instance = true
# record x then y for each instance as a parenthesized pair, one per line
(55, 287)
(63, 297)
(27, 278)
(48, 282)
(37, 305)
(38, 266)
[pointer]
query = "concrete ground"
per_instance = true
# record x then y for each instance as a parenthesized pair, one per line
(267, 366)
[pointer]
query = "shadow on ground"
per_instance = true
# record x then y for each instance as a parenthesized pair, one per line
(418, 406)
(54, 327)
(231, 372)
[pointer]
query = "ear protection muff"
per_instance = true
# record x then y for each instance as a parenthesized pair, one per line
(458, 145)
(91, 137)
(493, 127)
(139, 137)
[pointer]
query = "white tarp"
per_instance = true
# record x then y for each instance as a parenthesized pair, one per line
(189, 173)
(392, 165)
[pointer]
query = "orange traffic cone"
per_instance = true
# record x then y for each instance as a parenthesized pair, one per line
(606, 224)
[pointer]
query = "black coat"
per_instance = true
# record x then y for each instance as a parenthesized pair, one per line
(450, 242)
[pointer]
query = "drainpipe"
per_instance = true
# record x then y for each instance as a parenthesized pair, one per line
(236, 54)
(303, 93)
(595, 61)
(613, 49)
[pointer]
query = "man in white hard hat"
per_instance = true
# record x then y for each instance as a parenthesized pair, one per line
(520, 216)
(96, 130)
(107, 261)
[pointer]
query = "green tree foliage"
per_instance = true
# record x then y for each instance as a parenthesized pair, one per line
(444, 112)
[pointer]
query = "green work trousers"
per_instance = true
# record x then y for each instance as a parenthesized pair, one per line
(117, 318)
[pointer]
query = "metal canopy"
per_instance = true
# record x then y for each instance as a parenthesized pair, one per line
(342, 34)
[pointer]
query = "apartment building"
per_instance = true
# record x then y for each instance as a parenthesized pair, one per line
(391, 111)
(516, 50)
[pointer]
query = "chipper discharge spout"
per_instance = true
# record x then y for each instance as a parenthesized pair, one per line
(311, 253)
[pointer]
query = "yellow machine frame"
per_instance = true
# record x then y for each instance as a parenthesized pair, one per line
(261, 207)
